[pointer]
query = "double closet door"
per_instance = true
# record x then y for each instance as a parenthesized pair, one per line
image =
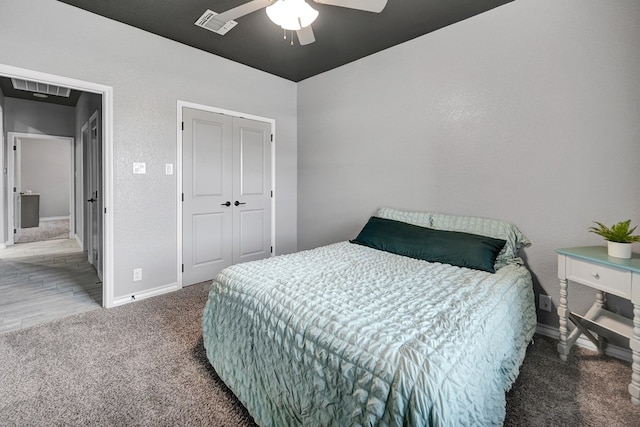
(226, 181)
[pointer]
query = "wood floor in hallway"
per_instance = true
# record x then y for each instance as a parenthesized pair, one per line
(44, 281)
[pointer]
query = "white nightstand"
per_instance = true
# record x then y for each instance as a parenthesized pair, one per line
(591, 266)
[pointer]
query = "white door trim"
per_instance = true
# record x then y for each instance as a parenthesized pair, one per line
(178, 171)
(107, 159)
(90, 212)
(14, 169)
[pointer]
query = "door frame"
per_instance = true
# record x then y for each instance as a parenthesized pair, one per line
(93, 175)
(14, 170)
(178, 171)
(107, 160)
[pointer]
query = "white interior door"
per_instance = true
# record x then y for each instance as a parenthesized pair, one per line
(207, 194)
(226, 180)
(17, 190)
(94, 196)
(251, 190)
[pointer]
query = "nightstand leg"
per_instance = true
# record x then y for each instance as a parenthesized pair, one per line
(602, 341)
(634, 387)
(563, 313)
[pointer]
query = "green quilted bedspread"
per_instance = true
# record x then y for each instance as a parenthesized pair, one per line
(345, 335)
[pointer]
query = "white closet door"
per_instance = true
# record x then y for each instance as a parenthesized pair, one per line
(226, 176)
(251, 190)
(207, 186)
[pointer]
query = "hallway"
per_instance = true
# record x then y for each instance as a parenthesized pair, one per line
(44, 281)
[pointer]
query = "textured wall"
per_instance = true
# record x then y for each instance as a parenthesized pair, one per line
(148, 75)
(527, 113)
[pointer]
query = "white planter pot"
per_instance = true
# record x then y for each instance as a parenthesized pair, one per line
(619, 250)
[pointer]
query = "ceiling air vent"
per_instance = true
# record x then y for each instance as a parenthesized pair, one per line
(205, 21)
(37, 87)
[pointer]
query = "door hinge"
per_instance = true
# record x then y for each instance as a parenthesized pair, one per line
(15, 231)
(182, 125)
(14, 148)
(183, 268)
(14, 189)
(271, 137)
(271, 193)
(271, 249)
(105, 211)
(183, 197)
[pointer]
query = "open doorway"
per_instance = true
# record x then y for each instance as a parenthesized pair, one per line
(88, 179)
(40, 176)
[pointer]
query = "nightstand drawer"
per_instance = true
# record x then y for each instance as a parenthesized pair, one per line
(608, 279)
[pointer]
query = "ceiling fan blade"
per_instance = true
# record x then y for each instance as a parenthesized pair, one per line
(240, 11)
(305, 35)
(376, 6)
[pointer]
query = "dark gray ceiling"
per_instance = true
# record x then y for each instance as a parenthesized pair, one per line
(342, 35)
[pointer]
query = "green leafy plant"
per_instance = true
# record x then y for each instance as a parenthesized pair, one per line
(619, 232)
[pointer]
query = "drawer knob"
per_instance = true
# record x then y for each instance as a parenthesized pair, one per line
(595, 275)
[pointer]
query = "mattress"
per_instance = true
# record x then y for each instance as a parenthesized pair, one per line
(346, 335)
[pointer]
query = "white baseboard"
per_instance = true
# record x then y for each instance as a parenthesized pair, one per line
(3, 246)
(611, 350)
(146, 294)
(53, 218)
(78, 240)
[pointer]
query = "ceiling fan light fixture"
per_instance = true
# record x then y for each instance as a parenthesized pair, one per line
(292, 14)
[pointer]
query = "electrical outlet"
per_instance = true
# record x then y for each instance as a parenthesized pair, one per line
(137, 274)
(544, 302)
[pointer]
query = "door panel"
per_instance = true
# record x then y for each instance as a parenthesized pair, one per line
(208, 157)
(207, 221)
(252, 190)
(251, 234)
(251, 162)
(207, 239)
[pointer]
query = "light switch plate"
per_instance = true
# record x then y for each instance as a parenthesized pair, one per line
(169, 168)
(139, 168)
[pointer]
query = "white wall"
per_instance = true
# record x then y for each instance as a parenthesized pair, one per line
(528, 113)
(26, 116)
(148, 75)
(45, 169)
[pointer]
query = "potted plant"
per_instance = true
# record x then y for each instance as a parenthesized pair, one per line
(619, 237)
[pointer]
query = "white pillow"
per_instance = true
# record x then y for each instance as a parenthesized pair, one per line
(422, 219)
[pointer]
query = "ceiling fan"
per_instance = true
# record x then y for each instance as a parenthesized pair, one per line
(294, 15)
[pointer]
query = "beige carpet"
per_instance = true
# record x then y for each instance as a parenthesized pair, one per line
(143, 364)
(47, 230)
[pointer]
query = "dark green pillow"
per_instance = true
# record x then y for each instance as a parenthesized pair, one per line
(448, 247)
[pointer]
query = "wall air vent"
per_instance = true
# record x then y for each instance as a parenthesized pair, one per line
(43, 88)
(205, 21)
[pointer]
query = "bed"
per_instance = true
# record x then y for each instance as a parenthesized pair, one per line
(355, 334)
